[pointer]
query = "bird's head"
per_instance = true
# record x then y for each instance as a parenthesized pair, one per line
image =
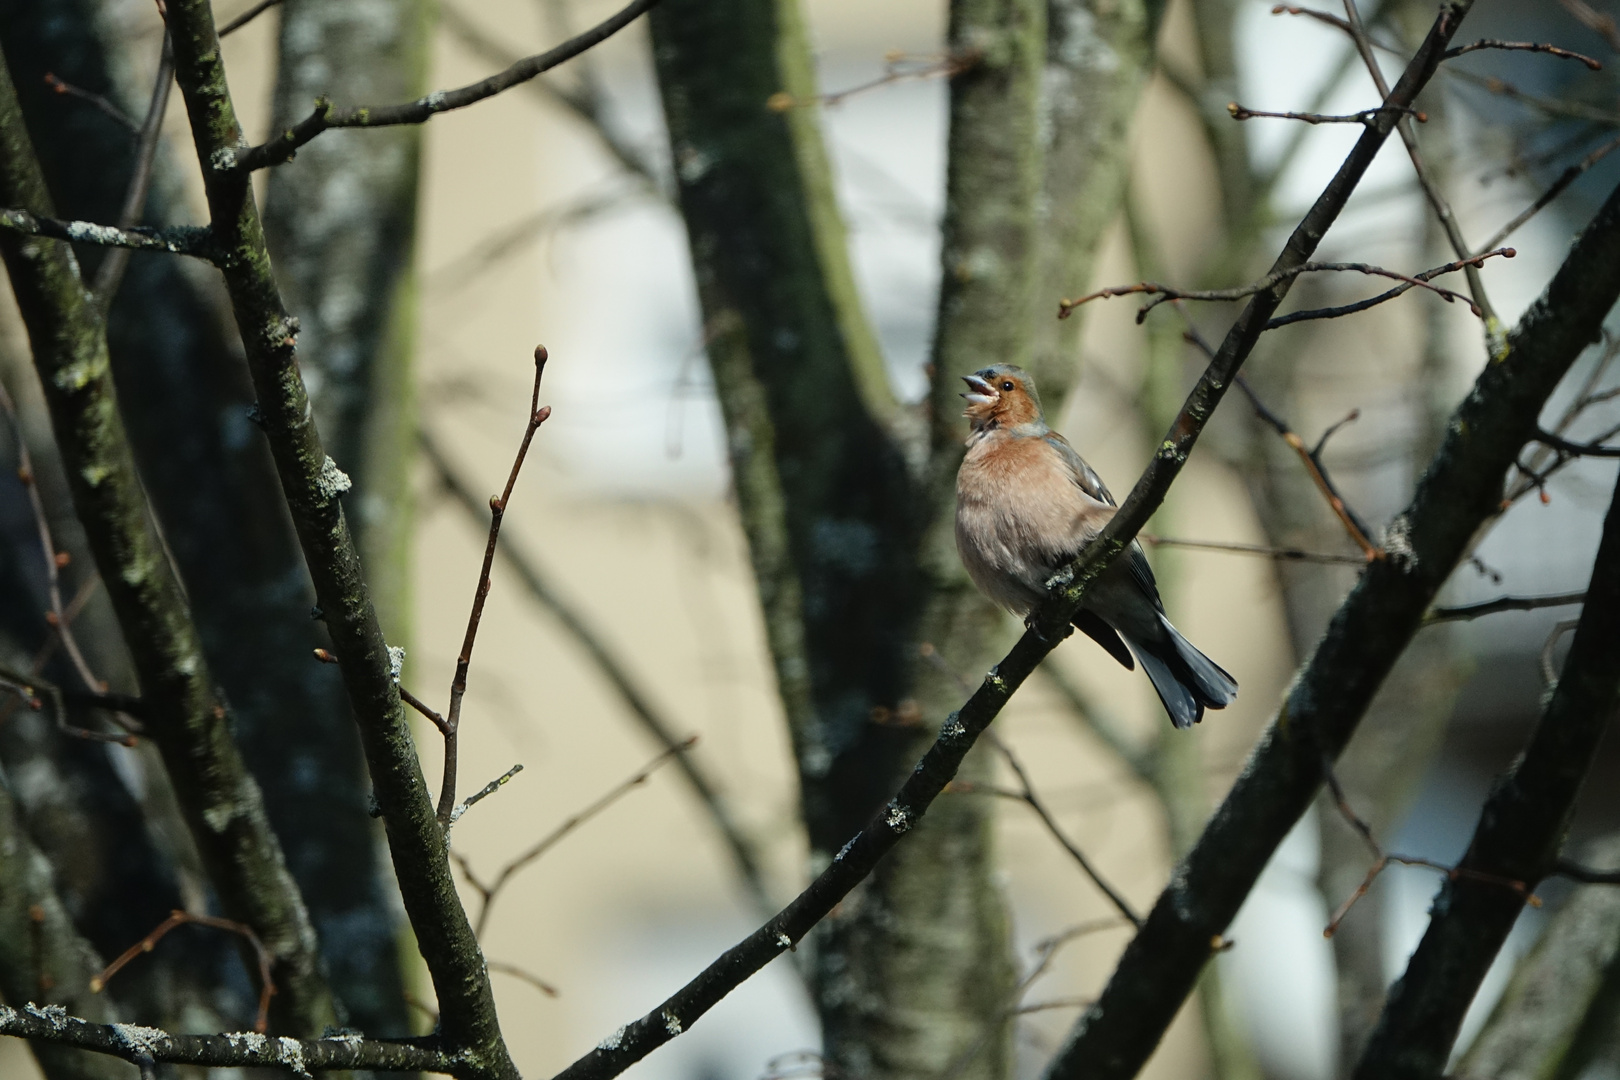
(1001, 396)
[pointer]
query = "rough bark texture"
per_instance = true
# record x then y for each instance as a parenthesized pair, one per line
(42, 958)
(313, 485)
(1099, 54)
(1517, 840)
(833, 522)
(186, 719)
(341, 223)
(1563, 986)
(186, 399)
(1460, 490)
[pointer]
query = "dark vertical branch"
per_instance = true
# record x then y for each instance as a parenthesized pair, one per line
(187, 398)
(312, 484)
(1520, 831)
(221, 802)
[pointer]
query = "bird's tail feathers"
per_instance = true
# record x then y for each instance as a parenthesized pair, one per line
(1210, 680)
(1186, 680)
(1185, 710)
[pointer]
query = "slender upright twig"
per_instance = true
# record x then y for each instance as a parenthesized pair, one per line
(497, 507)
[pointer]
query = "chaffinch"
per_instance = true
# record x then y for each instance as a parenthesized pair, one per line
(1026, 504)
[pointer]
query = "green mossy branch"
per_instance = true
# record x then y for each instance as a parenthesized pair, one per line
(185, 718)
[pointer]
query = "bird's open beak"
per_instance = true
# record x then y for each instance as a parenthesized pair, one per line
(981, 392)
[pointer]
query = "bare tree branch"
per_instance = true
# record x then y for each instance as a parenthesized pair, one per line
(1518, 836)
(744, 850)
(313, 485)
(1502, 603)
(147, 1046)
(1458, 493)
(1048, 627)
(325, 116)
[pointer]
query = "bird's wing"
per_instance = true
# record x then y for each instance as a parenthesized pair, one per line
(1084, 476)
(1086, 479)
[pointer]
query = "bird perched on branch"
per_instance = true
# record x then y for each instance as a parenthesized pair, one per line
(1026, 504)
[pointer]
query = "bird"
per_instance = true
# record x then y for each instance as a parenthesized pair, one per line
(1026, 504)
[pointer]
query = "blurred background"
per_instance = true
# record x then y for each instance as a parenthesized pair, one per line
(532, 228)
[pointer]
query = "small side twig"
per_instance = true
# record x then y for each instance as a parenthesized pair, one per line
(1557, 188)
(267, 986)
(1264, 551)
(1026, 794)
(497, 506)
(1382, 859)
(1575, 449)
(504, 968)
(485, 792)
(1464, 612)
(488, 891)
(1342, 310)
(1365, 116)
(54, 560)
(1521, 46)
(102, 103)
(111, 271)
(247, 16)
(897, 67)
(1162, 293)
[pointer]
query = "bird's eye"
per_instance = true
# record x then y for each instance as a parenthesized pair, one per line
(1007, 386)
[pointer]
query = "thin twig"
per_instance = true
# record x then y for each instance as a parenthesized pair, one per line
(111, 271)
(106, 106)
(1480, 303)
(1164, 293)
(1585, 874)
(497, 506)
(267, 986)
(1313, 467)
(1281, 554)
(1522, 46)
(247, 16)
(1311, 458)
(54, 560)
(934, 67)
(1382, 859)
(1365, 116)
(485, 792)
(1463, 612)
(282, 148)
(418, 704)
(1027, 795)
(1557, 188)
(743, 849)
(527, 976)
(1575, 449)
(193, 240)
(488, 892)
(1386, 296)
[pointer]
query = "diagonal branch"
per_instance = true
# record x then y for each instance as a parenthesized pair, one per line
(1048, 628)
(282, 148)
(1518, 836)
(1460, 491)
